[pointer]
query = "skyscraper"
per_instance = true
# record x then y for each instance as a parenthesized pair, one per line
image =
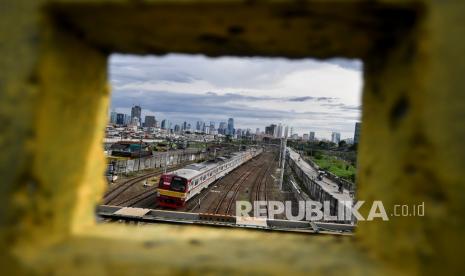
(135, 121)
(149, 121)
(198, 126)
(136, 112)
(335, 137)
(202, 126)
(280, 131)
(120, 119)
(127, 119)
(357, 132)
(164, 124)
(271, 130)
(230, 126)
(113, 115)
(222, 128)
(311, 137)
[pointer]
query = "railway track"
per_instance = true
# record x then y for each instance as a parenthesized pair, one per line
(239, 184)
(132, 201)
(116, 192)
(261, 188)
(192, 204)
(235, 185)
(113, 194)
(234, 189)
(233, 197)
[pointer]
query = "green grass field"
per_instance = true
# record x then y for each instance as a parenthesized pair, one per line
(339, 167)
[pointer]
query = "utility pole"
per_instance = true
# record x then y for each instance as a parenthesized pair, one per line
(206, 147)
(140, 153)
(166, 156)
(283, 159)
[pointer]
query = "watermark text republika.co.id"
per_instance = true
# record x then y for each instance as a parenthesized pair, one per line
(327, 211)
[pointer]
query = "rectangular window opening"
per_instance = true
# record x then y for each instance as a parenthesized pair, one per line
(245, 142)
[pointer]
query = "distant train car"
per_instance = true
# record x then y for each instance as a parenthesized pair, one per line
(178, 187)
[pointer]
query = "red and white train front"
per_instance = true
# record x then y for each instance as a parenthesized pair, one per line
(172, 191)
(177, 187)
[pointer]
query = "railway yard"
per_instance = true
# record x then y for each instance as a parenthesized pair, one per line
(255, 180)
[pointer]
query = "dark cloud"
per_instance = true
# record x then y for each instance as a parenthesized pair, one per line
(343, 106)
(205, 105)
(301, 99)
(350, 64)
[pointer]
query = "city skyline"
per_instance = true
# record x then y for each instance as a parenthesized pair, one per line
(191, 88)
(281, 129)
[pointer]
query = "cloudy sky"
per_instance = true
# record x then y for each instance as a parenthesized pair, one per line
(309, 95)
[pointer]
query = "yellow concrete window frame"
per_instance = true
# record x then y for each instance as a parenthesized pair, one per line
(54, 98)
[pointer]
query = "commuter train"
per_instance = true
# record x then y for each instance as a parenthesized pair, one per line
(177, 187)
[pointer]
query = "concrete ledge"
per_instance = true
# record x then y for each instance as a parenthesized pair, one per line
(168, 249)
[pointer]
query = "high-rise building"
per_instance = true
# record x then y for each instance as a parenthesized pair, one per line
(135, 121)
(271, 130)
(120, 119)
(279, 131)
(136, 112)
(335, 137)
(163, 124)
(286, 131)
(358, 126)
(113, 115)
(127, 119)
(205, 128)
(177, 128)
(222, 128)
(305, 137)
(311, 137)
(149, 121)
(231, 126)
(184, 126)
(257, 131)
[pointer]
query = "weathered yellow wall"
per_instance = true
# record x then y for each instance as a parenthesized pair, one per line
(411, 152)
(54, 100)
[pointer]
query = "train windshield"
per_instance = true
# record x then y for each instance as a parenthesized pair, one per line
(178, 184)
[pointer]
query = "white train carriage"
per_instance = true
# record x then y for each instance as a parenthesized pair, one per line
(177, 187)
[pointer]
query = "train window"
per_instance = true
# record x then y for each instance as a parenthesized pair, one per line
(178, 184)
